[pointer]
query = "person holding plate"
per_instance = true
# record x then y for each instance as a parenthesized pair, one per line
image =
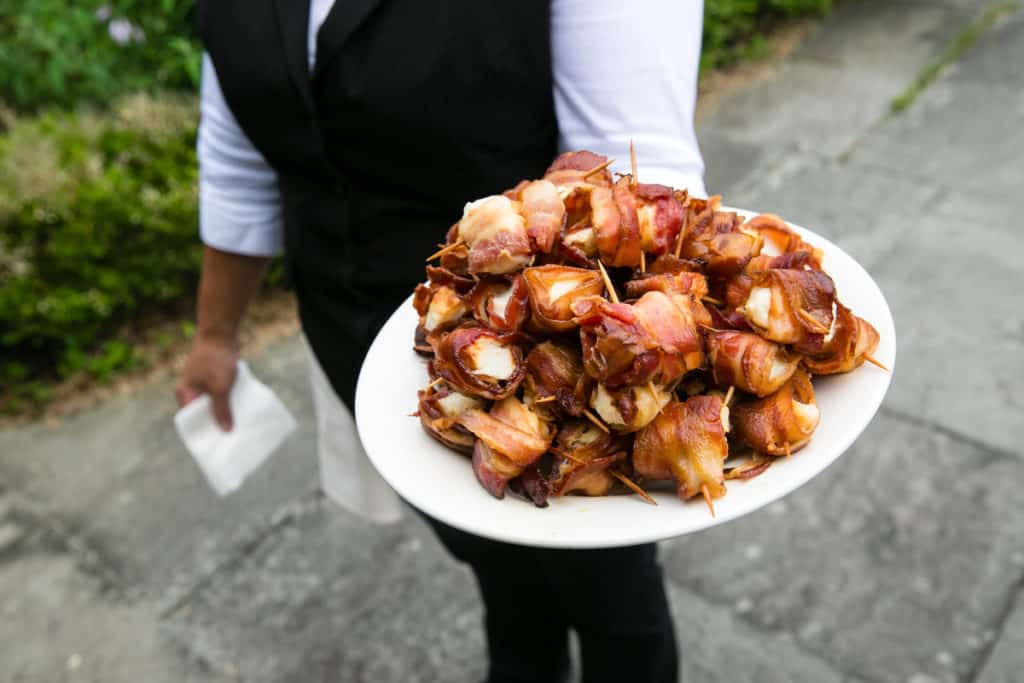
(347, 136)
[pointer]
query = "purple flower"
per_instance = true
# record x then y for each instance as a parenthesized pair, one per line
(120, 31)
(103, 13)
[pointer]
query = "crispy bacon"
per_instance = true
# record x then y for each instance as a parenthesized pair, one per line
(501, 305)
(715, 238)
(511, 429)
(439, 411)
(556, 370)
(480, 362)
(686, 443)
(655, 339)
(532, 485)
(791, 307)
(616, 226)
(844, 348)
(683, 282)
(583, 456)
(660, 216)
(544, 213)
(553, 289)
(509, 438)
(781, 423)
(750, 363)
(629, 409)
(779, 238)
(495, 233)
(568, 170)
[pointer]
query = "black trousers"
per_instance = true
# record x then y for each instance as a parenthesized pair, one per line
(613, 598)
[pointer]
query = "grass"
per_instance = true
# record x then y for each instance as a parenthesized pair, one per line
(953, 52)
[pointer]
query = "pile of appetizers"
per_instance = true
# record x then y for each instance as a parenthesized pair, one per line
(591, 335)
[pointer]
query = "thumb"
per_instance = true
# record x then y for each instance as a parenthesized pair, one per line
(222, 410)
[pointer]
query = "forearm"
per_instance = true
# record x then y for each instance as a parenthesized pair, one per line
(226, 286)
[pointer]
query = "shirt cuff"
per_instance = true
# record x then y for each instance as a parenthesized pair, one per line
(226, 228)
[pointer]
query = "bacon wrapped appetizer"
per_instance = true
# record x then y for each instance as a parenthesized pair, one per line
(655, 339)
(715, 238)
(439, 410)
(781, 423)
(660, 216)
(616, 226)
(629, 409)
(779, 238)
(544, 213)
(440, 302)
(552, 291)
(495, 233)
(791, 307)
(509, 438)
(749, 362)
(847, 345)
(554, 371)
(686, 443)
(583, 456)
(502, 305)
(573, 169)
(480, 362)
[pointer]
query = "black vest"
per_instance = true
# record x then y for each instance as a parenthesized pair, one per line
(414, 108)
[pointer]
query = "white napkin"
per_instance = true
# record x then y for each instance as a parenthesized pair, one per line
(260, 423)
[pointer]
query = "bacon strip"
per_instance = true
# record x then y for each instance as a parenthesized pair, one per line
(779, 238)
(552, 291)
(496, 234)
(655, 339)
(781, 423)
(438, 413)
(616, 224)
(660, 217)
(499, 304)
(852, 338)
(686, 443)
(714, 238)
(670, 283)
(544, 213)
(791, 307)
(749, 362)
(583, 456)
(460, 358)
(556, 370)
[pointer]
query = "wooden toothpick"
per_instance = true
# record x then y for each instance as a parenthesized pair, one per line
(608, 283)
(451, 247)
(634, 179)
(707, 498)
(812, 321)
(633, 486)
(597, 421)
(871, 359)
(598, 168)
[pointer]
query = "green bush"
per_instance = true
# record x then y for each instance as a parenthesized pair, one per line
(97, 224)
(65, 52)
(733, 29)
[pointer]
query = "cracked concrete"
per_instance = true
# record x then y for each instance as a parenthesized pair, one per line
(904, 562)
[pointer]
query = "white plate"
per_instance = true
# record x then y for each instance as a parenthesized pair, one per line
(441, 483)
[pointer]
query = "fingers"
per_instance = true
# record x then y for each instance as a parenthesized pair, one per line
(185, 394)
(221, 410)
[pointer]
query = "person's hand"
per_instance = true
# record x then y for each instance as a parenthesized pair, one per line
(210, 368)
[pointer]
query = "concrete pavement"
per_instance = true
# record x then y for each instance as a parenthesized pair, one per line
(904, 562)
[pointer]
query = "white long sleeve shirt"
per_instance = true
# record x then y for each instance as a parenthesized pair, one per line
(621, 71)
